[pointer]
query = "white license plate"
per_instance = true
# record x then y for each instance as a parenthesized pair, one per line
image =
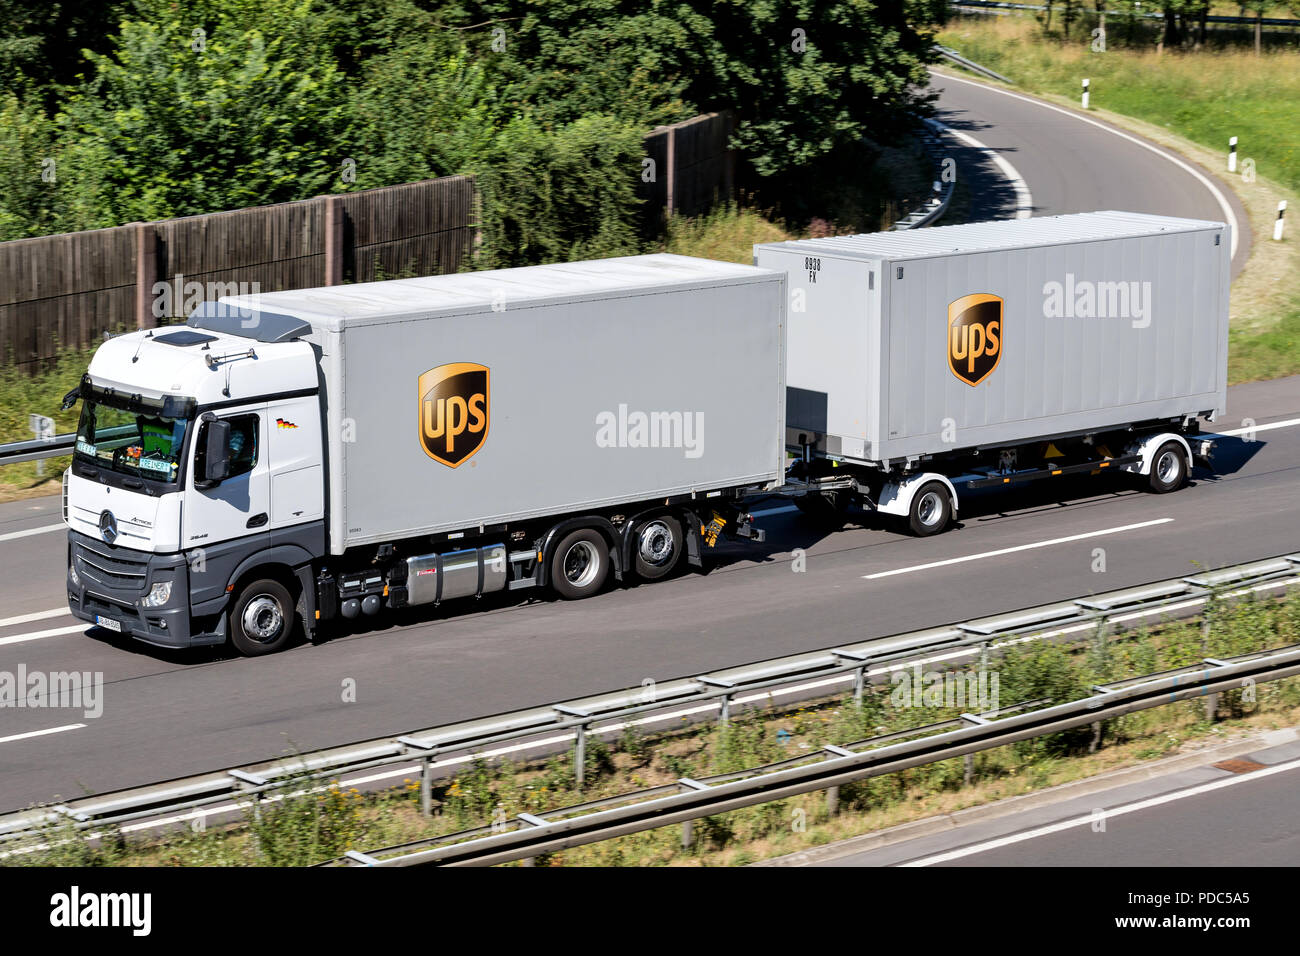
(109, 623)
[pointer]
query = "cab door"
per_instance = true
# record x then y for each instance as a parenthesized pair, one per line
(238, 507)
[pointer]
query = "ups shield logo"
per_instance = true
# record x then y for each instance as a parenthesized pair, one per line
(974, 336)
(453, 411)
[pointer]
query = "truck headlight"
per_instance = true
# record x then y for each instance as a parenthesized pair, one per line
(72, 573)
(158, 595)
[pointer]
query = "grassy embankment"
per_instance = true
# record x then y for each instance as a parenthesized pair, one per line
(1191, 102)
(303, 827)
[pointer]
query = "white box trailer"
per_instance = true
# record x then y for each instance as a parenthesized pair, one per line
(909, 344)
(602, 383)
(1002, 351)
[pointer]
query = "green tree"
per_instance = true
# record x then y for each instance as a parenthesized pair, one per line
(31, 203)
(174, 124)
(559, 195)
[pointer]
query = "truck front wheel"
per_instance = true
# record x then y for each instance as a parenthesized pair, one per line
(580, 564)
(262, 621)
(931, 509)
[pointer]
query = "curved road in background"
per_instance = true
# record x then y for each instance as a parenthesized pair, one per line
(1070, 164)
(168, 715)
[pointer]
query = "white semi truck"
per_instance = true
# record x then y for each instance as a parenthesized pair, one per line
(290, 459)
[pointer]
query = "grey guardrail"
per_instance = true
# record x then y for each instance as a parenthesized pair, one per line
(35, 448)
(530, 834)
(564, 726)
(1126, 14)
(970, 64)
(934, 207)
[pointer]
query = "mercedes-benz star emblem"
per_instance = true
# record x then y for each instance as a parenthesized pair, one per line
(108, 526)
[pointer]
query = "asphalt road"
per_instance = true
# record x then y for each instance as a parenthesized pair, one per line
(167, 715)
(1207, 816)
(1070, 165)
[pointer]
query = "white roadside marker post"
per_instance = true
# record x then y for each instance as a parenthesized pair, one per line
(1085, 94)
(1232, 154)
(1277, 225)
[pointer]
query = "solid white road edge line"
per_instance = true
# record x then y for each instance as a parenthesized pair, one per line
(41, 733)
(37, 635)
(44, 529)
(1118, 811)
(1224, 206)
(1019, 547)
(1024, 199)
(34, 616)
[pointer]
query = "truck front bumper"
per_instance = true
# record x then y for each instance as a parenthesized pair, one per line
(110, 584)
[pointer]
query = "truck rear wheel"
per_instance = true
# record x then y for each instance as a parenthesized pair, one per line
(931, 509)
(657, 544)
(262, 620)
(1168, 468)
(580, 564)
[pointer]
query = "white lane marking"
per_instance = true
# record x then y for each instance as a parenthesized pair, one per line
(34, 616)
(1118, 811)
(37, 635)
(40, 733)
(1024, 199)
(1224, 206)
(1019, 547)
(773, 511)
(44, 529)
(677, 715)
(1231, 432)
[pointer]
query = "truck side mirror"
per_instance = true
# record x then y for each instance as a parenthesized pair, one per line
(215, 439)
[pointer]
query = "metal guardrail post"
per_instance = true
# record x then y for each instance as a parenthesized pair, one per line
(579, 742)
(427, 754)
(688, 826)
(724, 712)
(833, 793)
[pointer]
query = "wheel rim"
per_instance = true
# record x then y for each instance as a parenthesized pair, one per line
(655, 544)
(930, 509)
(581, 564)
(1167, 467)
(263, 619)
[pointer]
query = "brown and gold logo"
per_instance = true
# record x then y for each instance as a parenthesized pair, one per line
(974, 336)
(453, 411)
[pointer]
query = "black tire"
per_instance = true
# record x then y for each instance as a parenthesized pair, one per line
(931, 510)
(580, 564)
(1168, 468)
(656, 546)
(263, 619)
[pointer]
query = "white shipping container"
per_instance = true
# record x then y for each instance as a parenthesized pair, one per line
(908, 344)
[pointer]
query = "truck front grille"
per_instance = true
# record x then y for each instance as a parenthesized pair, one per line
(117, 571)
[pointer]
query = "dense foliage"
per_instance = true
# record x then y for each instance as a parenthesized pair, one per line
(146, 109)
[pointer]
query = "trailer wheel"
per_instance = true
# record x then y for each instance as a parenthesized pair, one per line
(263, 618)
(657, 544)
(580, 564)
(1168, 468)
(931, 509)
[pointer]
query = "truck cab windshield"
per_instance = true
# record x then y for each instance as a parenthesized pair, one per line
(130, 435)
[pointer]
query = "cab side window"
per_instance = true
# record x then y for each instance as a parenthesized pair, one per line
(243, 444)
